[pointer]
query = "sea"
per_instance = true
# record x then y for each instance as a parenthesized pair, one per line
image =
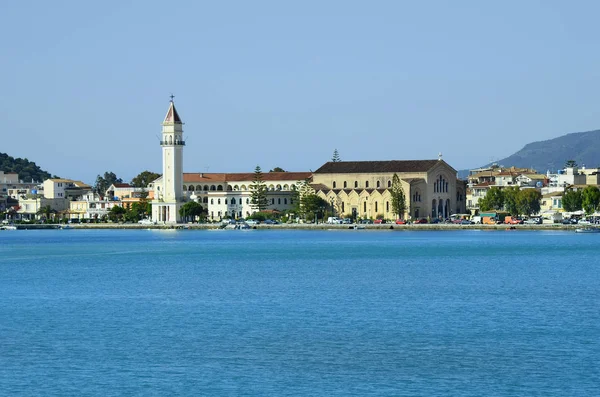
(299, 313)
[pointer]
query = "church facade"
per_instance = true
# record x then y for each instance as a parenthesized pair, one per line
(362, 189)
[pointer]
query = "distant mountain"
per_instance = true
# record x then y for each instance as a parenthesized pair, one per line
(583, 147)
(26, 169)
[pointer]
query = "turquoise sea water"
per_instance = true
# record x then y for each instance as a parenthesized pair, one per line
(304, 313)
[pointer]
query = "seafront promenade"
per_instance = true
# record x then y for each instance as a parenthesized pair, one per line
(299, 226)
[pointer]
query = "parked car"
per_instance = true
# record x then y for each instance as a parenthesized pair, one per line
(422, 220)
(366, 222)
(146, 222)
(270, 222)
(252, 222)
(400, 222)
(466, 222)
(533, 221)
(569, 221)
(379, 221)
(347, 221)
(334, 220)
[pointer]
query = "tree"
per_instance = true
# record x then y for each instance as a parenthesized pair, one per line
(117, 213)
(511, 198)
(104, 182)
(144, 178)
(312, 206)
(572, 200)
(47, 212)
(191, 210)
(258, 196)
(336, 156)
(398, 197)
(528, 201)
(277, 169)
(590, 199)
(493, 200)
(571, 164)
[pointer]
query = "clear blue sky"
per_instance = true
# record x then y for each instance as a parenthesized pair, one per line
(85, 85)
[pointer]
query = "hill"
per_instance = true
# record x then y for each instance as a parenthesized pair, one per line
(583, 147)
(26, 169)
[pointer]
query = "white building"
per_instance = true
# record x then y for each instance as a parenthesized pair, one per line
(168, 197)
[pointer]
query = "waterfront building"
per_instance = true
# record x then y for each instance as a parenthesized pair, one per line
(228, 195)
(362, 189)
(168, 193)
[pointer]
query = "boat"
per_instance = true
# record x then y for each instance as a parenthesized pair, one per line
(8, 227)
(587, 230)
(65, 227)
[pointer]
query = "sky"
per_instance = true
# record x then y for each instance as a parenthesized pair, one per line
(85, 85)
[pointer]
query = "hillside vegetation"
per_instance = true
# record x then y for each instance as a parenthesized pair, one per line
(26, 169)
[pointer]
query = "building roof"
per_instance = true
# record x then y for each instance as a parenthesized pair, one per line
(204, 177)
(357, 167)
(121, 185)
(172, 115)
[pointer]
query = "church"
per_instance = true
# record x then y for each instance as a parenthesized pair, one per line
(353, 189)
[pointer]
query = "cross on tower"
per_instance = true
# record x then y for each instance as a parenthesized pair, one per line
(172, 96)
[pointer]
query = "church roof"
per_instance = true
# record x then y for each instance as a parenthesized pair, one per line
(358, 167)
(244, 177)
(172, 115)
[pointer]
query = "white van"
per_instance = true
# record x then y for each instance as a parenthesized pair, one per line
(476, 219)
(334, 220)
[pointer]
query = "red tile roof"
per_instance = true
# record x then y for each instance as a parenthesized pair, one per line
(205, 177)
(356, 167)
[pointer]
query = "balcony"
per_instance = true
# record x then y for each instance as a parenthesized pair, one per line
(176, 143)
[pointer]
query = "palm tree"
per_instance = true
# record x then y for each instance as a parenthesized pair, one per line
(46, 211)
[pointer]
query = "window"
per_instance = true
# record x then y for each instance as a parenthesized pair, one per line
(233, 200)
(220, 188)
(345, 185)
(212, 201)
(389, 183)
(278, 201)
(343, 210)
(355, 184)
(378, 185)
(218, 201)
(365, 206)
(225, 201)
(334, 185)
(272, 201)
(367, 184)
(376, 204)
(247, 201)
(387, 206)
(284, 201)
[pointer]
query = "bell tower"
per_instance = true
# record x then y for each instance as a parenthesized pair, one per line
(168, 195)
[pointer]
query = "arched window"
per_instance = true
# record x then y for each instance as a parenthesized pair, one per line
(220, 188)
(225, 201)
(376, 205)
(272, 201)
(205, 200)
(191, 188)
(389, 183)
(279, 201)
(367, 184)
(184, 188)
(233, 200)
(218, 201)
(247, 201)
(334, 184)
(378, 185)
(206, 188)
(229, 188)
(365, 206)
(355, 184)
(285, 201)
(345, 184)
(198, 188)
(212, 201)
(213, 187)
(387, 206)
